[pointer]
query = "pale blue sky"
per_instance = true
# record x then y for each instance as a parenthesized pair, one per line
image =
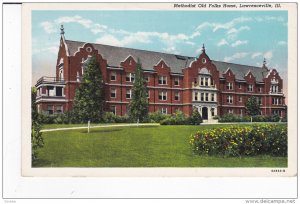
(243, 37)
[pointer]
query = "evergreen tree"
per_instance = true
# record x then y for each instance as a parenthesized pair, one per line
(36, 135)
(138, 106)
(89, 97)
(196, 118)
(252, 106)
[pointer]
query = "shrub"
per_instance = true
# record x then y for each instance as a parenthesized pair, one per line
(157, 117)
(258, 118)
(238, 141)
(108, 117)
(178, 118)
(195, 118)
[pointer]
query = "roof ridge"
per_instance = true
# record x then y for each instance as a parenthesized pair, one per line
(237, 64)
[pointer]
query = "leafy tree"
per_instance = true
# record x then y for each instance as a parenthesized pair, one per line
(196, 118)
(252, 106)
(138, 106)
(89, 97)
(36, 135)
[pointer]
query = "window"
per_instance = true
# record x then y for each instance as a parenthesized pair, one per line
(59, 109)
(113, 76)
(230, 111)
(177, 96)
(176, 81)
(250, 88)
(274, 88)
(162, 95)
(146, 78)
(130, 77)
(128, 93)
(259, 89)
(59, 91)
(206, 81)
(195, 96)
(203, 60)
(276, 112)
(201, 81)
(212, 97)
(229, 86)
(241, 112)
(61, 73)
(113, 93)
(148, 94)
(212, 112)
(212, 82)
(113, 109)
(240, 99)
(258, 99)
(229, 99)
(162, 80)
(206, 96)
(240, 86)
(202, 97)
(275, 101)
(163, 110)
(50, 109)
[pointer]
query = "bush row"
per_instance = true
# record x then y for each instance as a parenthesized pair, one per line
(238, 141)
(257, 118)
(178, 118)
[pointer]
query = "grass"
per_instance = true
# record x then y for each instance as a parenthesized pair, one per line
(161, 146)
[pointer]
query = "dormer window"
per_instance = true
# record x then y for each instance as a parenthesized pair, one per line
(88, 49)
(229, 86)
(176, 81)
(113, 76)
(250, 87)
(130, 77)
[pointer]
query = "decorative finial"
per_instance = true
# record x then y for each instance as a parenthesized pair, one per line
(203, 48)
(62, 30)
(264, 63)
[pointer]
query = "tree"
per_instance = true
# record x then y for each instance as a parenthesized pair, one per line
(252, 106)
(196, 118)
(138, 106)
(89, 97)
(36, 135)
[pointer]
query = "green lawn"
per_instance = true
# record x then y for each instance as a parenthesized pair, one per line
(161, 146)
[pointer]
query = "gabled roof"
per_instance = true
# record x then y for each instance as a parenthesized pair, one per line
(115, 55)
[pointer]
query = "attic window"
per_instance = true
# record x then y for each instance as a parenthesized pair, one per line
(89, 49)
(203, 60)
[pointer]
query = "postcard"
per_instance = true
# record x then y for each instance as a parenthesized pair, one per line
(159, 89)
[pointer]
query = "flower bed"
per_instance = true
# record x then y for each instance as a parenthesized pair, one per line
(239, 141)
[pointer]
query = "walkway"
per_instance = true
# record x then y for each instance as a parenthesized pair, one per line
(102, 126)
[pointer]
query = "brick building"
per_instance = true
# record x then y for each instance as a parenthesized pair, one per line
(174, 82)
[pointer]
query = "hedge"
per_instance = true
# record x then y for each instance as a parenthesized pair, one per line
(258, 118)
(268, 139)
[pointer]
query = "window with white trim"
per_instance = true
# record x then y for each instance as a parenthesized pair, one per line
(163, 110)
(206, 96)
(177, 96)
(275, 101)
(229, 99)
(195, 96)
(202, 97)
(258, 99)
(212, 110)
(59, 109)
(113, 76)
(250, 88)
(229, 86)
(50, 109)
(146, 77)
(162, 80)
(113, 109)
(148, 94)
(240, 86)
(212, 97)
(128, 93)
(259, 89)
(113, 92)
(130, 77)
(240, 99)
(176, 81)
(230, 111)
(162, 95)
(241, 112)
(206, 81)
(201, 81)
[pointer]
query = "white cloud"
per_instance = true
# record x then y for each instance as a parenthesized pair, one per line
(230, 24)
(222, 42)
(269, 18)
(235, 31)
(87, 23)
(256, 54)
(171, 50)
(281, 43)
(97, 28)
(268, 55)
(238, 43)
(48, 27)
(237, 55)
(109, 40)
